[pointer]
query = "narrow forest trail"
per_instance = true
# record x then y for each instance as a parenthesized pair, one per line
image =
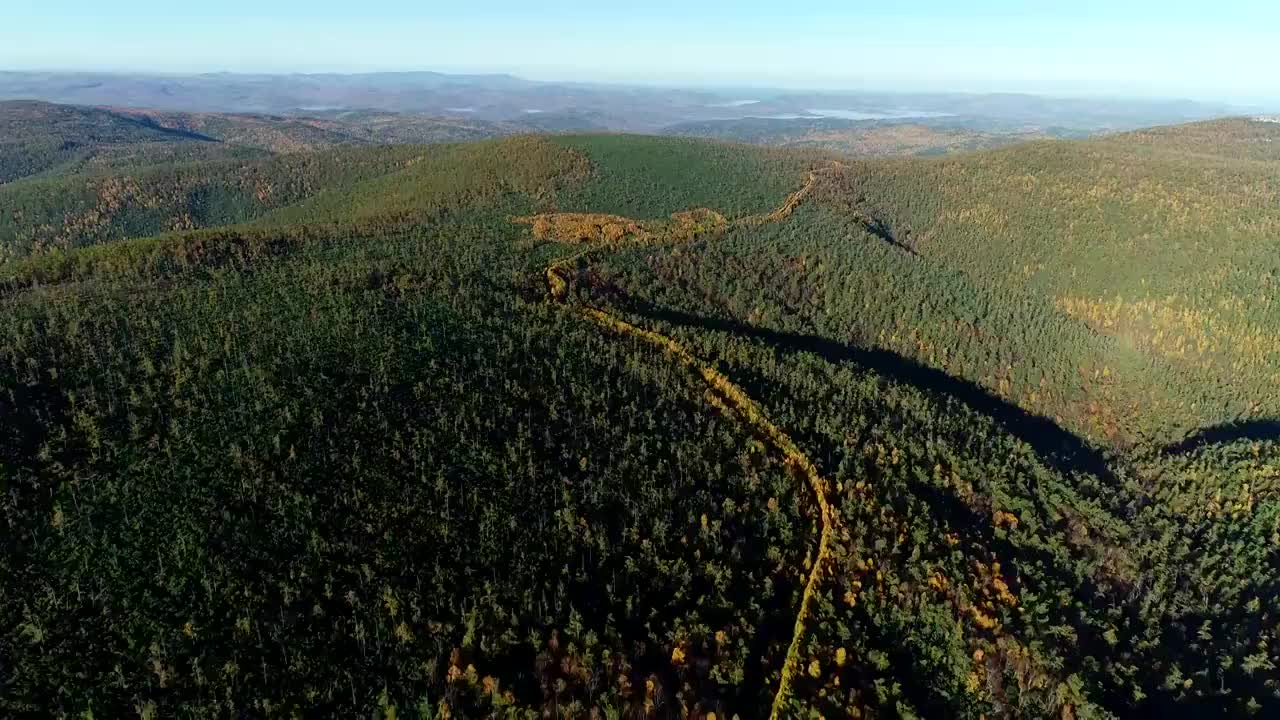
(731, 400)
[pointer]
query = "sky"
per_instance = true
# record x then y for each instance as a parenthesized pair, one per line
(1223, 50)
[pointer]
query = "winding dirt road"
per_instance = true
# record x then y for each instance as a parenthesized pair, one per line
(733, 401)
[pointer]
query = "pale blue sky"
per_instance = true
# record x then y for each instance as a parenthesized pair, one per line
(1205, 49)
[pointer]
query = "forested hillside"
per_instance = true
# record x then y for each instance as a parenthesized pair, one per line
(40, 138)
(48, 140)
(296, 133)
(613, 426)
(65, 212)
(1159, 244)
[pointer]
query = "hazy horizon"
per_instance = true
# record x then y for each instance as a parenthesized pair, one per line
(1141, 50)
(707, 86)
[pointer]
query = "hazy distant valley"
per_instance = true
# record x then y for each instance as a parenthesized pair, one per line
(308, 112)
(577, 106)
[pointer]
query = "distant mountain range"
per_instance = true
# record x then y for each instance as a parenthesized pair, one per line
(508, 99)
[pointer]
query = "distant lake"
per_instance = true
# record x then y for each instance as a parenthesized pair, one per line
(899, 114)
(818, 114)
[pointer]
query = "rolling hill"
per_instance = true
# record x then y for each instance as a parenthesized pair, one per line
(611, 425)
(41, 138)
(874, 138)
(49, 140)
(314, 131)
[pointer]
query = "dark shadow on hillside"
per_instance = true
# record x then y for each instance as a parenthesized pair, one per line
(1055, 446)
(881, 230)
(176, 133)
(1101, 591)
(1226, 433)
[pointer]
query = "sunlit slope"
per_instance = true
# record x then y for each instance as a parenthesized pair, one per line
(519, 173)
(652, 177)
(78, 210)
(346, 185)
(288, 134)
(38, 138)
(41, 138)
(1161, 242)
(1232, 140)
